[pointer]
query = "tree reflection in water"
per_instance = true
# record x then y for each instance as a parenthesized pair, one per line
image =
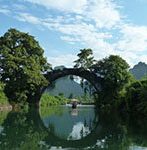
(22, 130)
(26, 130)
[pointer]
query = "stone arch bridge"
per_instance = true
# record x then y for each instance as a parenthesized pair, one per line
(81, 72)
(51, 76)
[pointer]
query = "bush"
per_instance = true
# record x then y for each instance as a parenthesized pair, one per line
(136, 97)
(48, 100)
(3, 98)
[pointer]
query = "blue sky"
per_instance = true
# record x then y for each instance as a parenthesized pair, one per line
(63, 27)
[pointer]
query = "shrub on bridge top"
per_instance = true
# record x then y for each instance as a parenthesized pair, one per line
(22, 65)
(85, 59)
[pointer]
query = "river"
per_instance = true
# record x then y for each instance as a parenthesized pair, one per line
(65, 128)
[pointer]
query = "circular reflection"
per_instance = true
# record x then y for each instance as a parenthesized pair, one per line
(26, 130)
(69, 124)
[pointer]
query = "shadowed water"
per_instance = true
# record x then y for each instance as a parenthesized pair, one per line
(64, 128)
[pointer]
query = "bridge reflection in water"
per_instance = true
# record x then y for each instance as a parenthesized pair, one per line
(58, 127)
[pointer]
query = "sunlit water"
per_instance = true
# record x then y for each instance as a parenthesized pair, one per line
(65, 128)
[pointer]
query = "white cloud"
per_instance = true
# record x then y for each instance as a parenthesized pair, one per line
(86, 34)
(75, 32)
(63, 5)
(104, 13)
(66, 60)
(97, 24)
(19, 7)
(5, 11)
(78, 28)
(25, 17)
(134, 38)
(143, 58)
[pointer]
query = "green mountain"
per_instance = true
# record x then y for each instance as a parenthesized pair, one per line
(139, 70)
(66, 86)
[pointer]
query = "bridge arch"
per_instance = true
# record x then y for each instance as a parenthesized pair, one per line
(81, 72)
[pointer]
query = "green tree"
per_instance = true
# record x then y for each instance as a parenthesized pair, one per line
(85, 60)
(136, 97)
(115, 74)
(22, 66)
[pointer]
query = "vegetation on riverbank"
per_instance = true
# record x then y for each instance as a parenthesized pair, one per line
(86, 99)
(3, 115)
(3, 98)
(49, 100)
(136, 97)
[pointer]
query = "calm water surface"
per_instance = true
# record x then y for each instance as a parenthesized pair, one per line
(63, 128)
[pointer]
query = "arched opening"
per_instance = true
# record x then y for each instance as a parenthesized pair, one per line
(91, 82)
(71, 88)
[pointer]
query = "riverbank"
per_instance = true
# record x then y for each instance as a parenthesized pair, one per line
(81, 105)
(5, 107)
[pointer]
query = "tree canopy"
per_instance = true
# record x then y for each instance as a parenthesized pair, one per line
(136, 97)
(85, 59)
(22, 65)
(115, 74)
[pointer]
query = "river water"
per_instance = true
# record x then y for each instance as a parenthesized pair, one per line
(65, 128)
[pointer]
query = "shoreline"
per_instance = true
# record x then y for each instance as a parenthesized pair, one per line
(80, 105)
(7, 107)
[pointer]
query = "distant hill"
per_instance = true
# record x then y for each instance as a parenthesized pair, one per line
(139, 70)
(66, 86)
